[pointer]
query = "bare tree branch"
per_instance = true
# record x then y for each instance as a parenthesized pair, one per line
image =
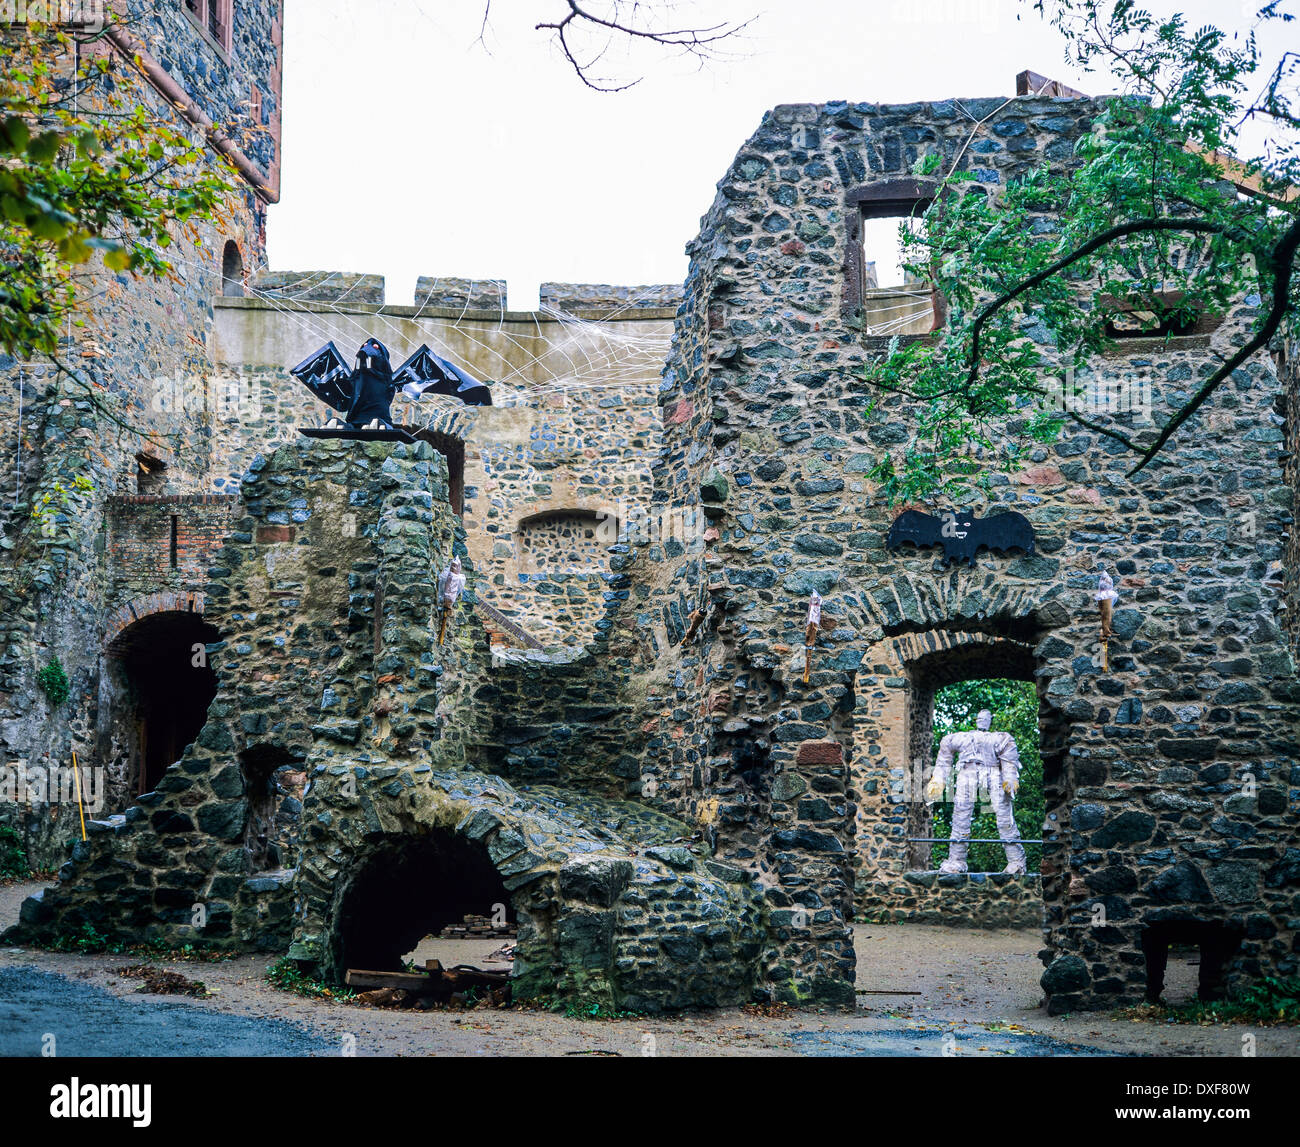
(1284, 255)
(698, 42)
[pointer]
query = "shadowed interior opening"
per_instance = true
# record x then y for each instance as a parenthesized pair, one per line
(1218, 944)
(407, 888)
(167, 692)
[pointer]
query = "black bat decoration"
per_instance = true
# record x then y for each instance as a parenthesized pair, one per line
(961, 533)
(326, 374)
(427, 373)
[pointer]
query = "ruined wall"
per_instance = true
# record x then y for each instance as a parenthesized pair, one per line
(572, 428)
(340, 736)
(143, 341)
(1149, 765)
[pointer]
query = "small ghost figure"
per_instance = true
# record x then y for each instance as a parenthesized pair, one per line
(450, 584)
(1106, 596)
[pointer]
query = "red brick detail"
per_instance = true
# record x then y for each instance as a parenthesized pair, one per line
(140, 540)
(681, 412)
(820, 753)
(268, 535)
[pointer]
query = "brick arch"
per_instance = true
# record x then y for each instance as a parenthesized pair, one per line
(164, 601)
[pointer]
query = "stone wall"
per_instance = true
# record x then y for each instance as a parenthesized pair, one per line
(1149, 765)
(958, 900)
(604, 297)
(572, 428)
(144, 341)
(339, 741)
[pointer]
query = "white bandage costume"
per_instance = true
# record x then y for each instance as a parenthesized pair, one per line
(984, 760)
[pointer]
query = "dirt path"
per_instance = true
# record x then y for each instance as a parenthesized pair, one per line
(972, 984)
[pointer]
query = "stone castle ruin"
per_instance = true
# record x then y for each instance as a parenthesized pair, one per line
(616, 740)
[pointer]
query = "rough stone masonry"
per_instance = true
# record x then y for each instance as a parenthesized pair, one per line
(1171, 779)
(674, 819)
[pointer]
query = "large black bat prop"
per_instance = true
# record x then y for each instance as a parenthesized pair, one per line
(327, 375)
(427, 373)
(961, 533)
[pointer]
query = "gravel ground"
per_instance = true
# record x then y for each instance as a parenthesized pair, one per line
(980, 986)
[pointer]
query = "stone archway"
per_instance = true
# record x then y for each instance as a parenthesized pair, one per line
(157, 688)
(893, 735)
(402, 887)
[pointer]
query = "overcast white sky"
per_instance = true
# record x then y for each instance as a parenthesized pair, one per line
(412, 149)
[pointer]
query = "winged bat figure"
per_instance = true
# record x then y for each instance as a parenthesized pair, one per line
(961, 533)
(364, 394)
(427, 373)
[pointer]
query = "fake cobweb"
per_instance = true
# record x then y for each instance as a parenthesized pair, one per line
(523, 363)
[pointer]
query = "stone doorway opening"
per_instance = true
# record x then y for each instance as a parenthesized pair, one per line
(402, 893)
(912, 686)
(162, 685)
(1014, 706)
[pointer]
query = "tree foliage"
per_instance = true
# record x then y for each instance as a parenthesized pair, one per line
(1150, 220)
(1014, 705)
(86, 170)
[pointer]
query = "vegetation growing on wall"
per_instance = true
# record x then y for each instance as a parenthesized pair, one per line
(1168, 216)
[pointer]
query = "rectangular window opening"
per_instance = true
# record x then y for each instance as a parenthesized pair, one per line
(895, 300)
(175, 536)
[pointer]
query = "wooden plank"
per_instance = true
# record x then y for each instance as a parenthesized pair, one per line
(412, 981)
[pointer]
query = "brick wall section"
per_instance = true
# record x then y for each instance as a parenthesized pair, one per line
(140, 539)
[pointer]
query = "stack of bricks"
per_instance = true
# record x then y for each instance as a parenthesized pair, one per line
(477, 927)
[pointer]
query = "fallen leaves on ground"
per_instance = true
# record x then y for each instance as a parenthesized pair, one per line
(161, 982)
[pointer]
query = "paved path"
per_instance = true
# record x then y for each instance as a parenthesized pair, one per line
(85, 1020)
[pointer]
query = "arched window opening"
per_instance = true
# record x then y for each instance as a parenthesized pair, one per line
(232, 271)
(566, 542)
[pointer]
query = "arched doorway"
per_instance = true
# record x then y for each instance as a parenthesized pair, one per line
(952, 684)
(404, 889)
(161, 687)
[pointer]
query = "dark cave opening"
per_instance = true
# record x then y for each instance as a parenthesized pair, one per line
(170, 686)
(409, 887)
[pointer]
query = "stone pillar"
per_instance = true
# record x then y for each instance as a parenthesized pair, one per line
(810, 958)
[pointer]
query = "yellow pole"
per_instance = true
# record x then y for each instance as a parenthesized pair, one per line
(76, 772)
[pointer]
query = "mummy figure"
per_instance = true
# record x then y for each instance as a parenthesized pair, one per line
(1106, 596)
(450, 584)
(983, 760)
